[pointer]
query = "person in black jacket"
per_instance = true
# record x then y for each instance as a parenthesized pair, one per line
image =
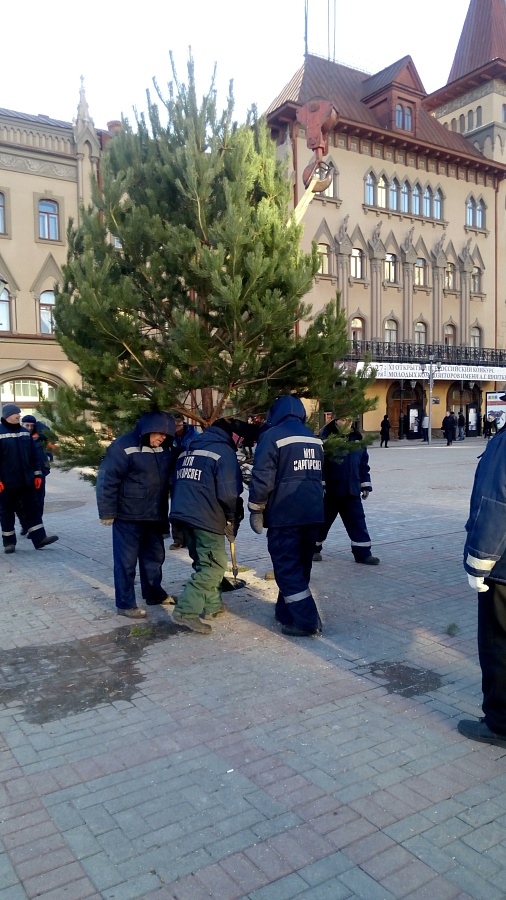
(133, 496)
(207, 503)
(20, 479)
(385, 431)
(286, 497)
(448, 427)
(36, 430)
(347, 484)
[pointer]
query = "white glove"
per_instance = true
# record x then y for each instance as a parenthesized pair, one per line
(477, 584)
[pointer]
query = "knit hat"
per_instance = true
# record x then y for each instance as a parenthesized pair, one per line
(10, 409)
(29, 418)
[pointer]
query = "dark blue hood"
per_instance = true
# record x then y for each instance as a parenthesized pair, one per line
(284, 408)
(155, 421)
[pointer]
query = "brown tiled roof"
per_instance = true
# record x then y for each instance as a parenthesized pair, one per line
(483, 37)
(345, 87)
(34, 120)
(393, 73)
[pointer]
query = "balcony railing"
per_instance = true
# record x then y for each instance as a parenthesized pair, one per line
(386, 351)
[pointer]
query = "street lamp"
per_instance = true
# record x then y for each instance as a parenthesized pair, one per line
(433, 365)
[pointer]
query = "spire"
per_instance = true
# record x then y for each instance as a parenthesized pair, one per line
(83, 112)
(483, 37)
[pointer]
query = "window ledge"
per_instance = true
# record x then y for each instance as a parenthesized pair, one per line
(334, 201)
(363, 281)
(478, 296)
(474, 230)
(331, 278)
(412, 217)
(422, 289)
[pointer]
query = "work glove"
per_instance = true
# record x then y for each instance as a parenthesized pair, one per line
(256, 521)
(477, 584)
(107, 521)
(38, 483)
(365, 495)
(230, 531)
(1, 487)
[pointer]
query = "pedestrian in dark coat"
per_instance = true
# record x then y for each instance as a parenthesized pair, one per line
(133, 496)
(207, 503)
(347, 483)
(485, 564)
(286, 497)
(461, 422)
(448, 426)
(184, 433)
(385, 431)
(36, 430)
(20, 479)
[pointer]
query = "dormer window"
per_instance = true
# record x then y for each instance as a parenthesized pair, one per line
(399, 117)
(408, 119)
(403, 117)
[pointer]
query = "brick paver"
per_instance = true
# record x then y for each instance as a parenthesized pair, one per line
(141, 761)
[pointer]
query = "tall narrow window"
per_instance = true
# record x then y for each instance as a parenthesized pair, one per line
(2, 213)
(449, 336)
(480, 215)
(394, 195)
(5, 311)
(405, 197)
(462, 123)
(470, 120)
(504, 112)
(416, 200)
(454, 125)
(470, 212)
(357, 330)
(323, 253)
(46, 306)
(408, 119)
(419, 272)
(478, 116)
(420, 333)
(427, 202)
(382, 192)
(48, 220)
(390, 268)
(370, 190)
(450, 277)
(476, 338)
(399, 117)
(391, 331)
(438, 205)
(476, 280)
(357, 263)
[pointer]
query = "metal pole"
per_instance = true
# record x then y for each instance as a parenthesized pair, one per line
(431, 385)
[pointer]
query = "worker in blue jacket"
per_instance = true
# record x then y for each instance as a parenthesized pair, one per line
(133, 496)
(184, 433)
(485, 564)
(207, 504)
(347, 483)
(20, 479)
(286, 497)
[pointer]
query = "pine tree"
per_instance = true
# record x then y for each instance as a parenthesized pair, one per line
(184, 284)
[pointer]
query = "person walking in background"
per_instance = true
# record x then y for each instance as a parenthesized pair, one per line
(485, 564)
(385, 431)
(133, 496)
(425, 428)
(20, 479)
(347, 484)
(184, 432)
(461, 422)
(35, 428)
(286, 497)
(448, 426)
(207, 506)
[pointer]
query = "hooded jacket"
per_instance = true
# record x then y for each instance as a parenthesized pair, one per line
(346, 474)
(485, 548)
(286, 481)
(134, 479)
(208, 485)
(19, 460)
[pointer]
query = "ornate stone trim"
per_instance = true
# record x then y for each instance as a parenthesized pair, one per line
(31, 166)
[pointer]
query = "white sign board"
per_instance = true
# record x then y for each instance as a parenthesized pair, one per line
(496, 407)
(445, 373)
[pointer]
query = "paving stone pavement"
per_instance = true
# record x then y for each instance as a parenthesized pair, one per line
(138, 760)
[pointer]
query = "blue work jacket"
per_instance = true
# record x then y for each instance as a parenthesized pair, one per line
(485, 547)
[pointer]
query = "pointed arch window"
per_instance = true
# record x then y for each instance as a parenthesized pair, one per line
(476, 280)
(405, 197)
(5, 311)
(470, 207)
(370, 190)
(420, 333)
(419, 272)
(391, 331)
(437, 210)
(49, 228)
(408, 119)
(449, 336)
(357, 330)
(390, 268)
(480, 214)
(476, 338)
(427, 202)
(357, 263)
(2, 213)
(399, 116)
(417, 200)
(450, 279)
(382, 192)
(46, 312)
(394, 195)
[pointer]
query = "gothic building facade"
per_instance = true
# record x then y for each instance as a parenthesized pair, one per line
(411, 231)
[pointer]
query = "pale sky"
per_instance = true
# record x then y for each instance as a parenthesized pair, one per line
(119, 48)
